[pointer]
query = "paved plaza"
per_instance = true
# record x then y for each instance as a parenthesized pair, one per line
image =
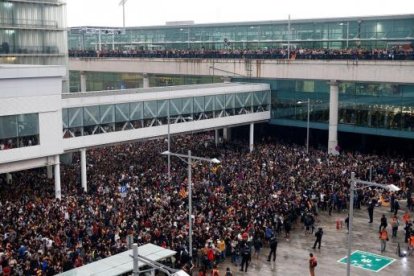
(292, 255)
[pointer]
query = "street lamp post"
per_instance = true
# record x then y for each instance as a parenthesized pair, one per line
(123, 11)
(189, 158)
(307, 124)
(169, 143)
(354, 182)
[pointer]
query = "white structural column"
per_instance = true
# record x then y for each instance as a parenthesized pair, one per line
(9, 178)
(216, 136)
(251, 140)
(49, 172)
(58, 189)
(145, 81)
(83, 170)
(226, 134)
(83, 81)
(333, 118)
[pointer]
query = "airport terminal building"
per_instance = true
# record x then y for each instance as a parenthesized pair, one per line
(373, 98)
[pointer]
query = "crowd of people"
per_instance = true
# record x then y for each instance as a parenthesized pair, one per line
(239, 205)
(277, 53)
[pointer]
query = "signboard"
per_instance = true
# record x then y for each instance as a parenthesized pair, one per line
(368, 261)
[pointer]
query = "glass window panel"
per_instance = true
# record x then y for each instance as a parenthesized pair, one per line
(230, 101)
(209, 103)
(28, 124)
(8, 127)
(198, 104)
(91, 115)
(240, 100)
(162, 108)
(175, 107)
(187, 105)
(136, 110)
(65, 117)
(75, 117)
(220, 102)
(150, 109)
(107, 114)
(122, 112)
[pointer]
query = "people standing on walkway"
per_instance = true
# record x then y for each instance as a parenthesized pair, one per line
(383, 236)
(215, 271)
(273, 248)
(318, 240)
(383, 223)
(313, 262)
(228, 272)
(396, 206)
(371, 206)
(394, 224)
(246, 255)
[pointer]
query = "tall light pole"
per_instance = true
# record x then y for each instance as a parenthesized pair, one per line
(354, 182)
(169, 142)
(122, 3)
(347, 33)
(307, 124)
(189, 158)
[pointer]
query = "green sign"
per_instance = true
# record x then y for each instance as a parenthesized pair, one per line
(368, 261)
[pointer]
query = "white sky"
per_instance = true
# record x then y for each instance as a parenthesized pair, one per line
(157, 12)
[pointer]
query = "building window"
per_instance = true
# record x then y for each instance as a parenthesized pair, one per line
(17, 131)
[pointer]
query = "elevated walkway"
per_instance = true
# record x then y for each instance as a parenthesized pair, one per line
(339, 70)
(99, 118)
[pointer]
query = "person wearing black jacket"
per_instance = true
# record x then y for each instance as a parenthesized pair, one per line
(273, 247)
(246, 255)
(318, 240)
(371, 206)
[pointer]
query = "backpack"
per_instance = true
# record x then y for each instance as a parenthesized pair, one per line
(314, 263)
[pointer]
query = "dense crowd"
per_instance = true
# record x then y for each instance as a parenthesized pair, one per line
(279, 53)
(247, 199)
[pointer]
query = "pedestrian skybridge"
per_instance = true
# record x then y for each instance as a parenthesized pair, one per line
(98, 118)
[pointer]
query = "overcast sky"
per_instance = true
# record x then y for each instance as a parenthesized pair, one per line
(157, 12)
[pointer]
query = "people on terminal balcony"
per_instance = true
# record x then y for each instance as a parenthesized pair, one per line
(275, 53)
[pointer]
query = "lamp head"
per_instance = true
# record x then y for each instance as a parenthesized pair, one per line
(166, 152)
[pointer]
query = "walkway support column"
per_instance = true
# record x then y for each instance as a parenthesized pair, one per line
(251, 143)
(226, 134)
(9, 178)
(83, 170)
(58, 190)
(83, 81)
(333, 118)
(216, 136)
(145, 81)
(49, 172)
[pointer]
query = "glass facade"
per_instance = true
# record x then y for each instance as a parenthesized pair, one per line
(91, 120)
(370, 108)
(363, 32)
(33, 32)
(18, 131)
(98, 81)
